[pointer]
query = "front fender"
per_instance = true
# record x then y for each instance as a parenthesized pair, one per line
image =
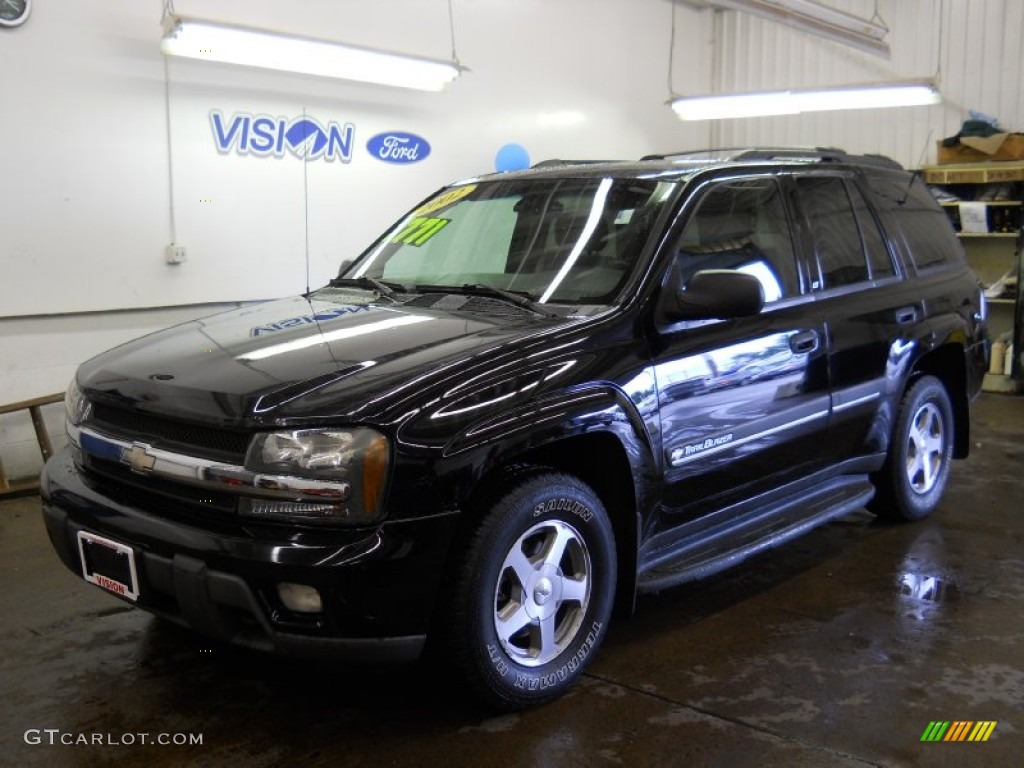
(575, 420)
(595, 433)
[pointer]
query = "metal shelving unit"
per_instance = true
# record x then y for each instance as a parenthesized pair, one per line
(993, 254)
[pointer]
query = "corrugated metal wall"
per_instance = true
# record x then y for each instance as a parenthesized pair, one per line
(981, 63)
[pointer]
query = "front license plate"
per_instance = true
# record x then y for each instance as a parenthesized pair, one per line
(108, 564)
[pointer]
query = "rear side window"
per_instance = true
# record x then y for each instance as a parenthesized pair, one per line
(741, 224)
(927, 233)
(834, 227)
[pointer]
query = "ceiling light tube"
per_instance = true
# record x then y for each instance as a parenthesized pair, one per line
(795, 102)
(232, 44)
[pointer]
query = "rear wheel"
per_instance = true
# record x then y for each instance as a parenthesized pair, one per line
(914, 477)
(534, 592)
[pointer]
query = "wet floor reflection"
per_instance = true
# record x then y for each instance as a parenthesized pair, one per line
(929, 589)
(926, 573)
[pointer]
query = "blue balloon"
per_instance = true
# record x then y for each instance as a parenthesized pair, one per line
(512, 157)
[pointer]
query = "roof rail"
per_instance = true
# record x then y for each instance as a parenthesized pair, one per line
(819, 154)
(822, 154)
(556, 161)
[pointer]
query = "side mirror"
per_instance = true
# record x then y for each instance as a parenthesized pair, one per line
(716, 294)
(343, 267)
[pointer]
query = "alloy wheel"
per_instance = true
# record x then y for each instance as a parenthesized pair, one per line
(926, 448)
(542, 592)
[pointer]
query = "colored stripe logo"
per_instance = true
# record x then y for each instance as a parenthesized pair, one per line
(959, 730)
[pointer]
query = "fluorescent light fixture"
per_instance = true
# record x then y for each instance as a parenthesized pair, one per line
(795, 102)
(232, 44)
(814, 18)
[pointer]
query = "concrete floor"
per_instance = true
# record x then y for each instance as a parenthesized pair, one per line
(836, 650)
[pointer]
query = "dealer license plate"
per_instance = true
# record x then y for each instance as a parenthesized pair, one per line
(108, 564)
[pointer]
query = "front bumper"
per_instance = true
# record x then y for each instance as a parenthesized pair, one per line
(378, 586)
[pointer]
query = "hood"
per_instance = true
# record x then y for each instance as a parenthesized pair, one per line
(330, 355)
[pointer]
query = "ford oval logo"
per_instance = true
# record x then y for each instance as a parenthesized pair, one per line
(398, 147)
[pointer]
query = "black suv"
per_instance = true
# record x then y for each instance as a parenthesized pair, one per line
(538, 394)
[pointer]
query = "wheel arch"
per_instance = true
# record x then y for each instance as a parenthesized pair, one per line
(612, 480)
(947, 363)
(603, 442)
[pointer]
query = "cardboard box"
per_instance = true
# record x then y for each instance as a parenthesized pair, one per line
(973, 149)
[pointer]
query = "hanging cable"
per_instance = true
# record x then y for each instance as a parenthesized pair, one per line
(671, 51)
(169, 11)
(451, 27)
(716, 33)
(877, 17)
(305, 197)
(170, 154)
(717, 67)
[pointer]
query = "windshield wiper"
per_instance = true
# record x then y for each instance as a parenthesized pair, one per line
(387, 290)
(479, 289)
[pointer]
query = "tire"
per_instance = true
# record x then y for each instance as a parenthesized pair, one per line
(911, 482)
(534, 592)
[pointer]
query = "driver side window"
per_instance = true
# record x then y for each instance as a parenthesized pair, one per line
(742, 225)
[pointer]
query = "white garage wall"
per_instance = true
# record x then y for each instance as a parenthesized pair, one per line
(982, 68)
(84, 193)
(87, 190)
(38, 355)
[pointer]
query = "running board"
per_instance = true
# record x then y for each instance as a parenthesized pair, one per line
(715, 548)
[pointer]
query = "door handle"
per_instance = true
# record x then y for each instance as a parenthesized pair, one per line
(906, 315)
(804, 342)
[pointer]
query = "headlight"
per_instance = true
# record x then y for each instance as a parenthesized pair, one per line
(76, 407)
(352, 464)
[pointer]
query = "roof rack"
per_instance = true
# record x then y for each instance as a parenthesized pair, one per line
(818, 154)
(556, 161)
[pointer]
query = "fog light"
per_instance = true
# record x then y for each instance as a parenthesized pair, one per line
(300, 598)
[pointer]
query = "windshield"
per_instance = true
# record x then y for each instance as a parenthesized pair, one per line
(551, 240)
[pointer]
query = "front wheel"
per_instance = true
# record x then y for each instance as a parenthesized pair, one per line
(911, 483)
(534, 592)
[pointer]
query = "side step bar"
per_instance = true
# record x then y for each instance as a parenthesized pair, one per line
(709, 550)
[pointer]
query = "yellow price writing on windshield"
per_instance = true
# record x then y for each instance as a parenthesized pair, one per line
(444, 199)
(419, 230)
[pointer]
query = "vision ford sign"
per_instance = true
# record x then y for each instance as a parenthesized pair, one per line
(398, 147)
(265, 135)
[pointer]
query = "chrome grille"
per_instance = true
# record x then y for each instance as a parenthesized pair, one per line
(173, 434)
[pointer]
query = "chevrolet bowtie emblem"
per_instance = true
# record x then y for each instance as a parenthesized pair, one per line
(138, 459)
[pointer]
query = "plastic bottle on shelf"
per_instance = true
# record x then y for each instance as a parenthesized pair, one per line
(997, 362)
(1008, 360)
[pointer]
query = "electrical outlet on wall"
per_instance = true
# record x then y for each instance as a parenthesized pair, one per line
(174, 253)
